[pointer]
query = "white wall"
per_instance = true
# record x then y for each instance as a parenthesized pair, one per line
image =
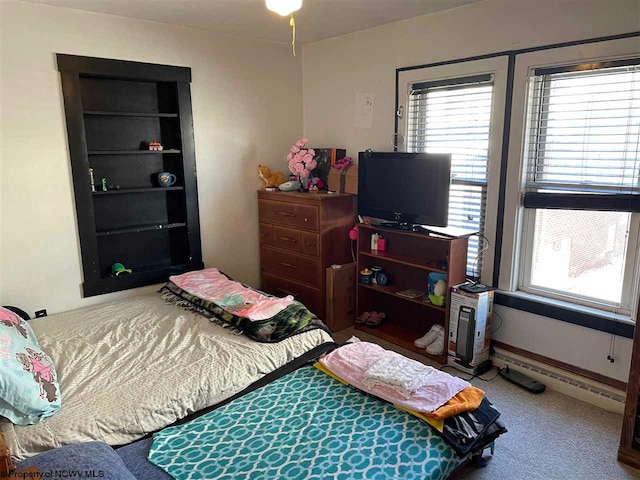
(247, 109)
(335, 69)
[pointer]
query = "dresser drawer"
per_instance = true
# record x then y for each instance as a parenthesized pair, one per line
(310, 243)
(287, 239)
(291, 265)
(266, 234)
(289, 214)
(279, 286)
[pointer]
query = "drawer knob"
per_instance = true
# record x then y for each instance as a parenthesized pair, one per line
(287, 265)
(287, 239)
(306, 219)
(286, 214)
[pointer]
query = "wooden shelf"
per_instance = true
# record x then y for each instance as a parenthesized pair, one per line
(137, 190)
(393, 291)
(112, 107)
(401, 259)
(129, 114)
(409, 259)
(140, 228)
(133, 152)
(401, 336)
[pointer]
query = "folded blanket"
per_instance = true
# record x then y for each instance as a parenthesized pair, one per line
(351, 362)
(233, 297)
(467, 431)
(295, 318)
(468, 399)
(399, 373)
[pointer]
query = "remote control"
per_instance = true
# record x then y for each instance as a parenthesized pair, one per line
(522, 380)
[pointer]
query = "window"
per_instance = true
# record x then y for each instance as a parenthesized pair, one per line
(581, 185)
(454, 116)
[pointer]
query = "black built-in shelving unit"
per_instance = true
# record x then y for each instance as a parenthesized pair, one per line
(111, 107)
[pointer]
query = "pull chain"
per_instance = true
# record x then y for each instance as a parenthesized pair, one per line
(292, 22)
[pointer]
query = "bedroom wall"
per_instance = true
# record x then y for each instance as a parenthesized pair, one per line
(335, 69)
(247, 109)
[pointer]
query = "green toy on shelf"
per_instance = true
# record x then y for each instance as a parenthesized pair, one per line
(118, 269)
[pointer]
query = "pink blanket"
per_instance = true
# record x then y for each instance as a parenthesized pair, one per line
(233, 297)
(351, 362)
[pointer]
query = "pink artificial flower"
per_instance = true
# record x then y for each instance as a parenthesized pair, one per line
(312, 164)
(289, 156)
(298, 168)
(308, 157)
(304, 174)
(295, 149)
(312, 152)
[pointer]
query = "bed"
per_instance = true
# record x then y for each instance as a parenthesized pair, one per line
(305, 425)
(132, 367)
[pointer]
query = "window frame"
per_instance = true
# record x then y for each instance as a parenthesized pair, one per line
(498, 67)
(516, 216)
(629, 279)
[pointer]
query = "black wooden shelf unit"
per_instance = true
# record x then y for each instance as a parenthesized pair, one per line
(113, 109)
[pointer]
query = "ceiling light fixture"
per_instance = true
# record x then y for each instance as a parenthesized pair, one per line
(284, 8)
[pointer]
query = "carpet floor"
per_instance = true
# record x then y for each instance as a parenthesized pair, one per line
(551, 435)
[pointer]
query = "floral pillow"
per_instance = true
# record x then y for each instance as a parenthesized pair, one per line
(29, 390)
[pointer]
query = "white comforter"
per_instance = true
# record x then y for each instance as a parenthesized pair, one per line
(135, 366)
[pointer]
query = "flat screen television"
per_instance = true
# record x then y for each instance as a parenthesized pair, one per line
(407, 188)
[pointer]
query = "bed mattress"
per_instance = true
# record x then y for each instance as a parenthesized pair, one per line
(306, 425)
(132, 367)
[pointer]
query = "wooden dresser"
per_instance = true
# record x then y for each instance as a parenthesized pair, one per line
(301, 234)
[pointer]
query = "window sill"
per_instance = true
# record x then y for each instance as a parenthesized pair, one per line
(588, 317)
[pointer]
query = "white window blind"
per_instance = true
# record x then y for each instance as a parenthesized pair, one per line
(584, 129)
(582, 169)
(454, 116)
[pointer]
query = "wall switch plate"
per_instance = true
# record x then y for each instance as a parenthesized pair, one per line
(41, 313)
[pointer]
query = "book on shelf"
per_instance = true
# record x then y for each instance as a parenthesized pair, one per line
(411, 293)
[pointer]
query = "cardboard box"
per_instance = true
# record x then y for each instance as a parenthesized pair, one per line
(469, 324)
(341, 297)
(345, 180)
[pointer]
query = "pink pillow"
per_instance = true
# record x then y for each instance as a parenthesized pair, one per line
(351, 362)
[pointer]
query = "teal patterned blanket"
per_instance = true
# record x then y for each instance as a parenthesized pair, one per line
(305, 425)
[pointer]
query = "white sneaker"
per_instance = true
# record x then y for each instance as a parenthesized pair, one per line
(428, 338)
(437, 346)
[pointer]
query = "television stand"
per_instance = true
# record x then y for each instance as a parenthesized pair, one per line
(408, 260)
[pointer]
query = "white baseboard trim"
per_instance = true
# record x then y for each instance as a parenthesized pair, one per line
(585, 389)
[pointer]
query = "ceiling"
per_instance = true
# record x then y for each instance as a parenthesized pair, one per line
(317, 20)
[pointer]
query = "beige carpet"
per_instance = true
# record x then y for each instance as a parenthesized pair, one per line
(551, 436)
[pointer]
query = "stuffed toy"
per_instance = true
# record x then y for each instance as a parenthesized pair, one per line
(371, 319)
(270, 179)
(437, 288)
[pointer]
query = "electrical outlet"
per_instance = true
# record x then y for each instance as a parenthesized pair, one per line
(41, 313)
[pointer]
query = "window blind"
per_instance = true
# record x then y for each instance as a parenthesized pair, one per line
(454, 116)
(583, 134)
